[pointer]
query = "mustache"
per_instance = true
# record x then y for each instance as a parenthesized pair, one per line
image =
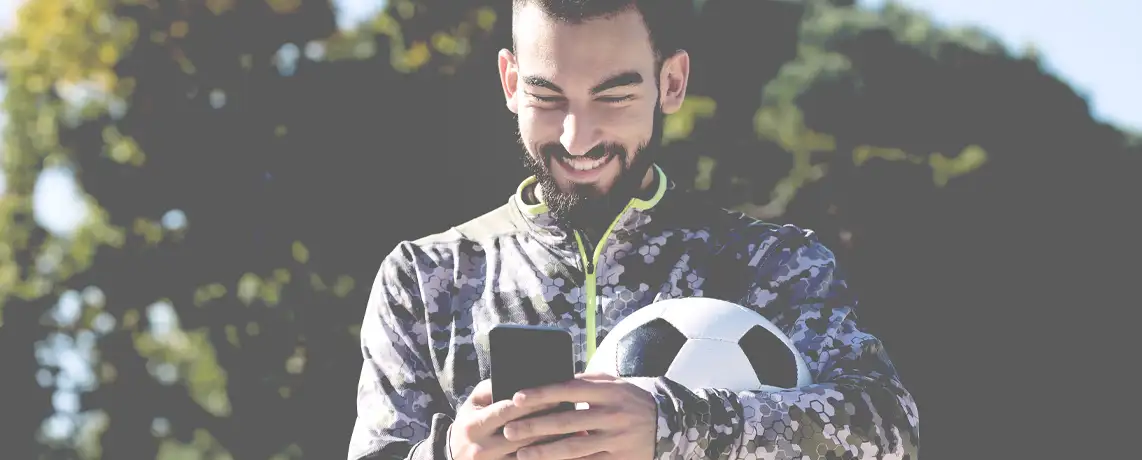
(556, 150)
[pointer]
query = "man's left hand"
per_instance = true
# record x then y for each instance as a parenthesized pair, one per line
(620, 421)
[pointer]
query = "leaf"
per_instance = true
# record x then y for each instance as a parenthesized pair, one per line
(300, 252)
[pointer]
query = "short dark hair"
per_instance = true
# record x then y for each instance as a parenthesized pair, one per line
(664, 19)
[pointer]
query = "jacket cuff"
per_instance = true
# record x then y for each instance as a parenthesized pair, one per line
(666, 430)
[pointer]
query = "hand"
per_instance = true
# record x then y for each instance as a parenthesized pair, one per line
(620, 421)
(476, 434)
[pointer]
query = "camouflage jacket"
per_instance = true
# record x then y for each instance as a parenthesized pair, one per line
(434, 298)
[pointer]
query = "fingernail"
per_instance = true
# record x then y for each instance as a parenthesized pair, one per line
(520, 397)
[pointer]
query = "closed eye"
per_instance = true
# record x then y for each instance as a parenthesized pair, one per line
(615, 99)
(604, 99)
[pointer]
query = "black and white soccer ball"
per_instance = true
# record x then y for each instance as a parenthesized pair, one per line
(702, 342)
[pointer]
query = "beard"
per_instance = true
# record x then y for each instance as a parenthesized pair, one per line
(585, 206)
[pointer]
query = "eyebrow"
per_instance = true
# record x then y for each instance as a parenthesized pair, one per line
(628, 78)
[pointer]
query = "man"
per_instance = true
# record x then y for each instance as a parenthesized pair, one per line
(598, 232)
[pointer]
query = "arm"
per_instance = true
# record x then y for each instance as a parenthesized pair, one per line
(401, 411)
(857, 407)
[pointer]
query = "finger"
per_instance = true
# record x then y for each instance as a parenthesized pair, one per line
(499, 447)
(567, 448)
(568, 422)
(572, 391)
(596, 376)
(481, 395)
(489, 419)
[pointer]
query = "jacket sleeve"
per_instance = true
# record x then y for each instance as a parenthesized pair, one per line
(401, 410)
(856, 408)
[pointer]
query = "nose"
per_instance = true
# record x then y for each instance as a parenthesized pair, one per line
(580, 134)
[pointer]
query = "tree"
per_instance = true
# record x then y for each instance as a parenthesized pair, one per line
(245, 166)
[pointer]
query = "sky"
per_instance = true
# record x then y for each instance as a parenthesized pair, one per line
(1095, 45)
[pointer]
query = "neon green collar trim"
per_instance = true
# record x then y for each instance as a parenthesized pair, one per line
(533, 209)
(637, 203)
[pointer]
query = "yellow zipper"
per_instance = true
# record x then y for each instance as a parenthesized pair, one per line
(589, 266)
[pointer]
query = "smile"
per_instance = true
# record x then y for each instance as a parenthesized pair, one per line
(583, 163)
(581, 168)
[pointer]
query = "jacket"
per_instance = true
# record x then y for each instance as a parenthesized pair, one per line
(424, 350)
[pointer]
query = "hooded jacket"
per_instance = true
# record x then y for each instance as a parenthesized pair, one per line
(424, 348)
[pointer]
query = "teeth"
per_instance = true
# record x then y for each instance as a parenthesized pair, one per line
(584, 164)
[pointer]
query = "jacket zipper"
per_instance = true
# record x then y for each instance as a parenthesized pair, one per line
(589, 286)
(590, 263)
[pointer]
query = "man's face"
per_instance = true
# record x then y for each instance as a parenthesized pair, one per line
(589, 108)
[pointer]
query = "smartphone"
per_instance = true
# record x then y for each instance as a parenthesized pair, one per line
(526, 356)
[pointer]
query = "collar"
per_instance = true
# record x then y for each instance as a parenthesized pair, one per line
(635, 214)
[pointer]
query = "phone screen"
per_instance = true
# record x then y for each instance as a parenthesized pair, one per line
(527, 357)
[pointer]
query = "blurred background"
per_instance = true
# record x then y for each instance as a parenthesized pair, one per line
(197, 194)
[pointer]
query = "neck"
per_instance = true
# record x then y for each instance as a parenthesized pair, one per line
(646, 189)
(649, 184)
(594, 229)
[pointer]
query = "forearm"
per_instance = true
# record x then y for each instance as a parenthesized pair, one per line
(851, 419)
(402, 412)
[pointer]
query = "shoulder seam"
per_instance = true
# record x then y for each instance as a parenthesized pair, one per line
(479, 229)
(484, 226)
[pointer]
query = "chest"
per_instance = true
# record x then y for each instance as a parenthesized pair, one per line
(586, 295)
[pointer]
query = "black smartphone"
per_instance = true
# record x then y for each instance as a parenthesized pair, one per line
(525, 356)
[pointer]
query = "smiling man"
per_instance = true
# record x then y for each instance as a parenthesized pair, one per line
(597, 232)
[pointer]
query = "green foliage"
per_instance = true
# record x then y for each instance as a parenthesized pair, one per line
(823, 58)
(56, 47)
(449, 43)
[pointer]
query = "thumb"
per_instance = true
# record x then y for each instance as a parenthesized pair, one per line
(481, 395)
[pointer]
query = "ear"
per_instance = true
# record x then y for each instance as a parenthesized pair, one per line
(674, 76)
(509, 78)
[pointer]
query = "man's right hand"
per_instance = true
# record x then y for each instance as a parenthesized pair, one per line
(477, 432)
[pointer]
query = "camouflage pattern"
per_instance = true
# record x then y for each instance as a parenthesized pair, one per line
(435, 298)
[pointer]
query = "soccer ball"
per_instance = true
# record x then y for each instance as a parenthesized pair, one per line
(702, 343)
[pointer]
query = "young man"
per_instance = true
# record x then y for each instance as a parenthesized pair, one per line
(595, 234)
